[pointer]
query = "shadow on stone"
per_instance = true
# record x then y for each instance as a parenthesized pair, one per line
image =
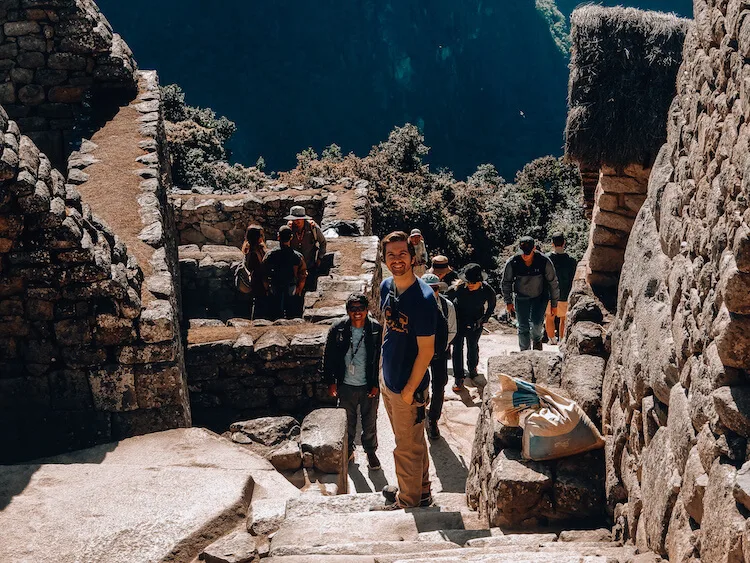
(451, 470)
(15, 478)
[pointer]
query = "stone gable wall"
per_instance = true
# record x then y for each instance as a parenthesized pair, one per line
(85, 356)
(676, 398)
(53, 53)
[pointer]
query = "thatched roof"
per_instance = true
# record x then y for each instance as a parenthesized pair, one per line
(623, 71)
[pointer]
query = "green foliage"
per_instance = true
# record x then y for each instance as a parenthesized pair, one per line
(403, 150)
(260, 164)
(306, 157)
(332, 153)
(479, 220)
(558, 24)
(197, 145)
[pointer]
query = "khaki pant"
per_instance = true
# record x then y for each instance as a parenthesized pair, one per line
(411, 456)
(562, 312)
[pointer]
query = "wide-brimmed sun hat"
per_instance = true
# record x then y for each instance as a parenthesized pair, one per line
(297, 212)
(440, 262)
(472, 273)
(432, 280)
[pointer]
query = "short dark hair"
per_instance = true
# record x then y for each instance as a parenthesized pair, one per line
(558, 239)
(360, 298)
(285, 234)
(397, 236)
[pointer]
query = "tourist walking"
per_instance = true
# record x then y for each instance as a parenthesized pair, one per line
(410, 312)
(529, 281)
(308, 240)
(350, 366)
(250, 276)
(421, 259)
(475, 302)
(285, 272)
(565, 268)
(441, 268)
(445, 332)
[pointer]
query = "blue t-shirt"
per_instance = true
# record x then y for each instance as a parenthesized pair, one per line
(411, 314)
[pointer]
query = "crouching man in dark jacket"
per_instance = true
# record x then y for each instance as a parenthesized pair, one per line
(351, 366)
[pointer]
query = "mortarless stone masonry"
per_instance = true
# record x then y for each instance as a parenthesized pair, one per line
(60, 66)
(674, 405)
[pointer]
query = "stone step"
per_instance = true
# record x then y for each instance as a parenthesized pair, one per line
(512, 557)
(336, 284)
(392, 547)
(311, 505)
(459, 537)
(313, 533)
(317, 314)
(406, 552)
(557, 552)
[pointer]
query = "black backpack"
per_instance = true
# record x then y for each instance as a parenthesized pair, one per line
(441, 331)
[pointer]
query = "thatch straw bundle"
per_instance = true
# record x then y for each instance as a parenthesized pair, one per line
(623, 71)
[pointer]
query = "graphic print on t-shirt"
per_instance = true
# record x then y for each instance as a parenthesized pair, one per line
(400, 323)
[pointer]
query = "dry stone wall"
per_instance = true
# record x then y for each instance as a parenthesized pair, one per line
(222, 220)
(676, 413)
(241, 376)
(80, 360)
(619, 196)
(53, 54)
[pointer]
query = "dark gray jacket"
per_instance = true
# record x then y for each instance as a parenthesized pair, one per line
(337, 345)
(530, 281)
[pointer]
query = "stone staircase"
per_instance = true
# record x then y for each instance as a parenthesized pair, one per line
(354, 269)
(343, 529)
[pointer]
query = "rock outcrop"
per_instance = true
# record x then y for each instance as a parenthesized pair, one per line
(675, 389)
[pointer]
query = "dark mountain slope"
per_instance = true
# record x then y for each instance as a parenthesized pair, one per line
(483, 78)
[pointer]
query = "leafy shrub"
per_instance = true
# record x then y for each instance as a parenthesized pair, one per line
(479, 220)
(197, 144)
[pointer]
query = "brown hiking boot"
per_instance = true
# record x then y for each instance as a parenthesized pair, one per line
(537, 345)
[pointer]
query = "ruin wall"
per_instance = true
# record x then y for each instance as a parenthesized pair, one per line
(676, 399)
(222, 220)
(90, 348)
(61, 69)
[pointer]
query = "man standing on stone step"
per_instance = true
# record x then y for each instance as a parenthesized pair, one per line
(445, 332)
(529, 281)
(421, 259)
(475, 302)
(410, 313)
(351, 366)
(565, 268)
(286, 272)
(308, 240)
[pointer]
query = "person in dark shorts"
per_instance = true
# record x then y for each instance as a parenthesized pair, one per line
(285, 272)
(475, 301)
(351, 365)
(410, 312)
(529, 280)
(565, 268)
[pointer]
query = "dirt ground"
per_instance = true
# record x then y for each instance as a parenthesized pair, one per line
(113, 186)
